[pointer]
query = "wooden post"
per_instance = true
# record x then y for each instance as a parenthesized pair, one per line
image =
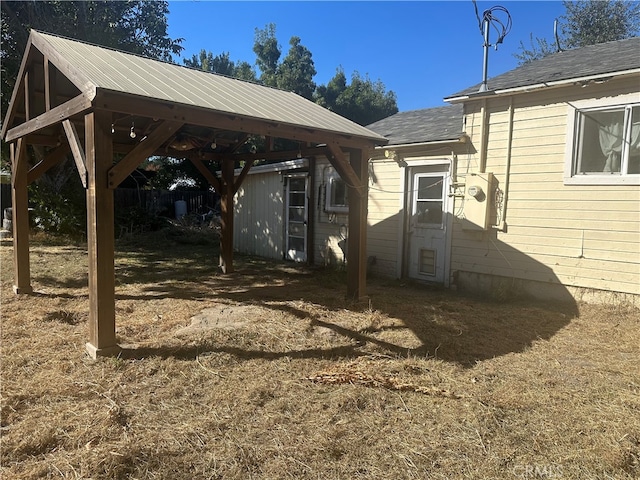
(100, 235)
(20, 215)
(357, 240)
(226, 217)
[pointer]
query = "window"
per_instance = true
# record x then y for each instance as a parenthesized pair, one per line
(336, 196)
(605, 145)
(428, 199)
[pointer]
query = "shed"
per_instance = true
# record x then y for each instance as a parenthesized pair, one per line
(92, 102)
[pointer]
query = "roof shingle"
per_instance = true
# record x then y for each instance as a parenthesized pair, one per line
(592, 60)
(421, 126)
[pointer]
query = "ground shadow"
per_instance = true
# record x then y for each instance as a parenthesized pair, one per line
(450, 326)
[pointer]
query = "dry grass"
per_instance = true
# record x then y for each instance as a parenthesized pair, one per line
(293, 381)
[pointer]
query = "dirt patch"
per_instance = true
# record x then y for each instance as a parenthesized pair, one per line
(225, 317)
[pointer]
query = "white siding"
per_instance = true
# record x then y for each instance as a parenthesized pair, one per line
(258, 226)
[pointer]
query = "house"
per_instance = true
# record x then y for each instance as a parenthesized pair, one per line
(543, 197)
(528, 187)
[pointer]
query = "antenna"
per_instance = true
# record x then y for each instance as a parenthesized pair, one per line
(503, 28)
(555, 34)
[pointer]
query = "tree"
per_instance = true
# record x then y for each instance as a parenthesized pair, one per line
(587, 22)
(138, 27)
(363, 101)
(268, 54)
(297, 70)
(222, 65)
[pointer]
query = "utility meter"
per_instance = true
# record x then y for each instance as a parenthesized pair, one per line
(474, 191)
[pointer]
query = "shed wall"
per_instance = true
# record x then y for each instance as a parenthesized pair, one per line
(258, 226)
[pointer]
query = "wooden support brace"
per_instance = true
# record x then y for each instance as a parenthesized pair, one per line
(243, 174)
(207, 174)
(20, 213)
(340, 163)
(50, 161)
(76, 150)
(142, 151)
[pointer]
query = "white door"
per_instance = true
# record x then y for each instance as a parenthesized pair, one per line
(428, 224)
(297, 214)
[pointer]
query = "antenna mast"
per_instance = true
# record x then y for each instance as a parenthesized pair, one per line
(503, 28)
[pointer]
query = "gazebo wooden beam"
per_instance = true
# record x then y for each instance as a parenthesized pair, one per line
(51, 160)
(142, 151)
(151, 108)
(76, 150)
(243, 174)
(20, 215)
(357, 239)
(207, 174)
(226, 217)
(339, 161)
(100, 236)
(75, 106)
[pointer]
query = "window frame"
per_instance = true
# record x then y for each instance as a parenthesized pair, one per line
(575, 109)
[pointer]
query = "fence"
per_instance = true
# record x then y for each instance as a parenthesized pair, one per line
(163, 202)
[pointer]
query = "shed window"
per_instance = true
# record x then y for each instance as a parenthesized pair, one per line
(605, 145)
(336, 196)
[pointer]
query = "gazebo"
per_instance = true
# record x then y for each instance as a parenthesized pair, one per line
(112, 110)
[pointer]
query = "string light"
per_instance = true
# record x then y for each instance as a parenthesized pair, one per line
(133, 131)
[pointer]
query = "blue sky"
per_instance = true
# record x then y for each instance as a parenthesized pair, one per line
(422, 50)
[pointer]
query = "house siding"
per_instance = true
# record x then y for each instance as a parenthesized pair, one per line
(584, 236)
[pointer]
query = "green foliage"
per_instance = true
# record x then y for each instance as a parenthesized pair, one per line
(540, 48)
(591, 22)
(296, 72)
(222, 65)
(363, 101)
(587, 22)
(172, 171)
(268, 54)
(134, 26)
(59, 202)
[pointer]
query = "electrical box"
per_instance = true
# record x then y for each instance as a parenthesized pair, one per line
(478, 198)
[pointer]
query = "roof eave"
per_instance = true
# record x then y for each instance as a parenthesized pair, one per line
(584, 80)
(461, 139)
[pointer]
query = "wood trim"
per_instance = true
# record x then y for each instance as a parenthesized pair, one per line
(75, 106)
(142, 151)
(50, 161)
(152, 108)
(206, 173)
(243, 174)
(76, 150)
